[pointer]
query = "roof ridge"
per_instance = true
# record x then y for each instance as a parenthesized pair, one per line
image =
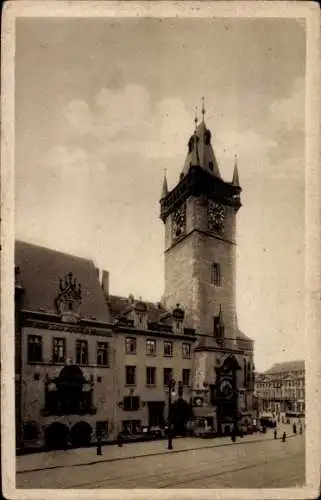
(41, 247)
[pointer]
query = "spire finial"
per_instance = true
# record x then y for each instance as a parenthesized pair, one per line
(235, 180)
(165, 187)
(195, 117)
(203, 107)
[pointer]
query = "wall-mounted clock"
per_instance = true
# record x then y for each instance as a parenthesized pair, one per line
(216, 215)
(226, 389)
(178, 221)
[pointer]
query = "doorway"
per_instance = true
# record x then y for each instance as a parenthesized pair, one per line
(156, 413)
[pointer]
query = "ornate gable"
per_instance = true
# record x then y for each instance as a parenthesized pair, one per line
(68, 300)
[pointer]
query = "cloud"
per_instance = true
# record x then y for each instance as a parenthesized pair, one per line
(125, 120)
(289, 111)
(122, 126)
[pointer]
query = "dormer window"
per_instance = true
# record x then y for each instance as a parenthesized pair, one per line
(178, 320)
(140, 320)
(140, 315)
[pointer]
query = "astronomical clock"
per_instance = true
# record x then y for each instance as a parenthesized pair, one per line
(179, 222)
(216, 215)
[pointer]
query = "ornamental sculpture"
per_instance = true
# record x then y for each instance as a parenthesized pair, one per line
(68, 301)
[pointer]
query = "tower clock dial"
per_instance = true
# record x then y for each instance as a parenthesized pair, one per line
(179, 220)
(226, 389)
(216, 215)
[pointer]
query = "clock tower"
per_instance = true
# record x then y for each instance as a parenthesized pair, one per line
(200, 242)
(199, 215)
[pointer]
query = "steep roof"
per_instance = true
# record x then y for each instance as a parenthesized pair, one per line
(118, 305)
(200, 152)
(286, 366)
(40, 271)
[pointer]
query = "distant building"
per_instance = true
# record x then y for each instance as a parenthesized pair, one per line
(282, 387)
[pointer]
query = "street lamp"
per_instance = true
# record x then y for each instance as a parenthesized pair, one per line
(170, 385)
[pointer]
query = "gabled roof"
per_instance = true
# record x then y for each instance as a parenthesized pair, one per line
(118, 305)
(40, 271)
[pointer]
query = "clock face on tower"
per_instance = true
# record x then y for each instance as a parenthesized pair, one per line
(226, 389)
(216, 214)
(178, 222)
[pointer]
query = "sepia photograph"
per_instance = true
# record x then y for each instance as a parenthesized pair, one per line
(160, 247)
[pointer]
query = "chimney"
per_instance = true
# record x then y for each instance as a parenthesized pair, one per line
(105, 283)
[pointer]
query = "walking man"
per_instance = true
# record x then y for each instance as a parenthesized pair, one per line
(99, 452)
(275, 433)
(284, 437)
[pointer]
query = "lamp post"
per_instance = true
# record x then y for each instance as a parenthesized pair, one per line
(170, 385)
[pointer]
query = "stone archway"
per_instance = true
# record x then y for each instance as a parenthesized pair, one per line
(81, 434)
(56, 436)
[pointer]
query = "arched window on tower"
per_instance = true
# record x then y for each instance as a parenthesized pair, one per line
(216, 277)
(219, 328)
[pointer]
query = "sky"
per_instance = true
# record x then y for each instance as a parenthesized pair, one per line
(103, 106)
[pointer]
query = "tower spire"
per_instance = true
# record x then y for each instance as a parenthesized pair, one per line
(195, 117)
(165, 187)
(235, 180)
(203, 109)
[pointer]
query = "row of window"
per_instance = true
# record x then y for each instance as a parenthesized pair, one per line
(151, 347)
(131, 376)
(284, 383)
(35, 348)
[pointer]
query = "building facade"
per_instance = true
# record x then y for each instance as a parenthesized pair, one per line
(153, 348)
(199, 216)
(63, 350)
(282, 388)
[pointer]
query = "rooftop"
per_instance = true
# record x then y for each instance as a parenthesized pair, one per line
(40, 271)
(286, 366)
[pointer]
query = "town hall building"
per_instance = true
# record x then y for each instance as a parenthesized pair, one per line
(89, 362)
(199, 215)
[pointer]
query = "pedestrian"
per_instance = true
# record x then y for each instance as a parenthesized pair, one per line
(301, 429)
(120, 439)
(294, 428)
(275, 434)
(99, 452)
(284, 437)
